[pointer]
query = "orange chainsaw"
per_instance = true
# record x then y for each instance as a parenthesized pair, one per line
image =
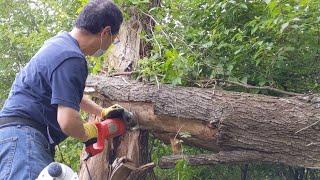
(109, 129)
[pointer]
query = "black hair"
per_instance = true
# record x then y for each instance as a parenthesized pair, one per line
(98, 14)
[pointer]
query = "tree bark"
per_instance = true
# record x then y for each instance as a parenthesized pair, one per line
(125, 55)
(249, 126)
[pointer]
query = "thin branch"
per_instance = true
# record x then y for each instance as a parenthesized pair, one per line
(214, 87)
(175, 137)
(122, 73)
(247, 86)
(158, 84)
(313, 124)
(124, 80)
(313, 144)
(181, 39)
(157, 23)
(155, 38)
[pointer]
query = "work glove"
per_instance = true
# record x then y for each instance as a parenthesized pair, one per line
(90, 130)
(117, 111)
(114, 111)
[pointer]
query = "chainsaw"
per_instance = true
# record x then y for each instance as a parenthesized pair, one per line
(108, 129)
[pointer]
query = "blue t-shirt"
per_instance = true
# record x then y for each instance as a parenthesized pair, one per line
(56, 75)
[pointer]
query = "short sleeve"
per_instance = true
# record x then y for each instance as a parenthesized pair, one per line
(68, 83)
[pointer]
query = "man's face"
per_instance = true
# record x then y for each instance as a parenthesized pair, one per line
(109, 40)
(104, 41)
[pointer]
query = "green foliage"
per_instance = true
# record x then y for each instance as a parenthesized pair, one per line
(68, 152)
(264, 43)
(273, 43)
(24, 26)
(183, 170)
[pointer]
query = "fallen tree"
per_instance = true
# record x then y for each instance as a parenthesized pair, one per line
(239, 127)
(235, 127)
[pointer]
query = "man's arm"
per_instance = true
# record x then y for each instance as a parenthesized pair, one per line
(90, 107)
(70, 123)
(67, 83)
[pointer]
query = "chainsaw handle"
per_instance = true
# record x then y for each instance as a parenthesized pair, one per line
(107, 129)
(102, 133)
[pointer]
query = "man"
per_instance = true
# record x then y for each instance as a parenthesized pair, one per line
(43, 106)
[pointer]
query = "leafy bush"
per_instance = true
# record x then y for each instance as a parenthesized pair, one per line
(273, 43)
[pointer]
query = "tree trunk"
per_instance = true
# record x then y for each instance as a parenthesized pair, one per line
(240, 127)
(124, 56)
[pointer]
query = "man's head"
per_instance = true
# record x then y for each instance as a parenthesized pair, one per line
(101, 19)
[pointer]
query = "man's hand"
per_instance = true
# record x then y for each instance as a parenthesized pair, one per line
(114, 111)
(117, 111)
(89, 106)
(71, 123)
(90, 130)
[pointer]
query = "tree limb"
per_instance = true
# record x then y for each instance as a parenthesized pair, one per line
(248, 86)
(223, 120)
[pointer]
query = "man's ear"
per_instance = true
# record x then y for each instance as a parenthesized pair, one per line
(106, 31)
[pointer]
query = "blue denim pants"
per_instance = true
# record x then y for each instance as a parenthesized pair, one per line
(24, 152)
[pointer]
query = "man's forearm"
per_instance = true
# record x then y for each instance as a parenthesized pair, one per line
(71, 123)
(90, 107)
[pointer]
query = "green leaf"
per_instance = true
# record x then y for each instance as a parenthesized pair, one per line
(254, 29)
(177, 81)
(233, 79)
(267, 1)
(219, 69)
(207, 45)
(262, 81)
(284, 26)
(238, 51)
(137, 2)
(289, 48)
(244, 80)
(258, 61)
(243, 6)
